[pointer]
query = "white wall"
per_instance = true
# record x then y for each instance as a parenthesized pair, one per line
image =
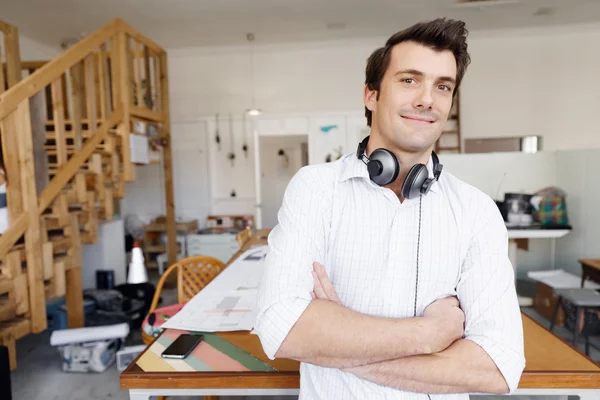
(35, 51)
(570, 170)
(538, 84)
(275, 174)
(521, 82)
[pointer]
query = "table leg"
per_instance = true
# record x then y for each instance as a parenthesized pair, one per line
(583, 276)
(577, 321)
(587, 346)
(555, 314)
(588, 395)
(512, 255)
(553, 253)
(138, 396)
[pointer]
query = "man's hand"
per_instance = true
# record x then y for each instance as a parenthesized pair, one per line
(324, 289)
(448, 322)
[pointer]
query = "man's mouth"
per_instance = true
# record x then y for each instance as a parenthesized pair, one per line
(418, 118)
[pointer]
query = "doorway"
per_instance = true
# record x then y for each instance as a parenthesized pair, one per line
(279, 159)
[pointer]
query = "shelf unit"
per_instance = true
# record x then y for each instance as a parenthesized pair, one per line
(155, 234)
(450, 141)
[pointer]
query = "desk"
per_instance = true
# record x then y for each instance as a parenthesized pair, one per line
(561, 371)
(516, 233)
(590, 269)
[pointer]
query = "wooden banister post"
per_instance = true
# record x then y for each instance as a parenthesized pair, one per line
(33, 246)
(168, 160)
(125, 96)
(13, 55)
(7, 126)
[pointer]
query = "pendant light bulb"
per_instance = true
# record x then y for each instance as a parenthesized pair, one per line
(254, 111)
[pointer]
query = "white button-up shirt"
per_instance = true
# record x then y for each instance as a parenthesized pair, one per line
(367, 240)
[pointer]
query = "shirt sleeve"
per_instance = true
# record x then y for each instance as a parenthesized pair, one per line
(295, 243)
(488, 297)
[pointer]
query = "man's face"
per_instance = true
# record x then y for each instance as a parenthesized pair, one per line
(415, 97)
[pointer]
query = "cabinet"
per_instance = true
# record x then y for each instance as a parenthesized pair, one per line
(220, 245)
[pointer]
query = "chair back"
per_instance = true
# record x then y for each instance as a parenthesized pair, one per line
(194, 273)
(243, 236)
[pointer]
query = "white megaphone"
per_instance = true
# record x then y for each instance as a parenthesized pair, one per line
(137, 269)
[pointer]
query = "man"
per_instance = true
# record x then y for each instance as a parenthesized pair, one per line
(388, 281)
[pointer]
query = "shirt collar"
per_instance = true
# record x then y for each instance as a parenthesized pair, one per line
(355, 168)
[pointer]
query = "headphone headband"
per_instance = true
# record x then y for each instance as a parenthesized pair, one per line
(386, 168)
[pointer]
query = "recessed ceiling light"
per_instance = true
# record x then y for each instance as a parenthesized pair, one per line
(336, 26)
(544, 11)
(483, 3)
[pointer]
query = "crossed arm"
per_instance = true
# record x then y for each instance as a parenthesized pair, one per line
(414, 354)
(463, 367)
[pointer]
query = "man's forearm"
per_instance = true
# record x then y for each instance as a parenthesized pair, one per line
(331, 335)
(464, 367)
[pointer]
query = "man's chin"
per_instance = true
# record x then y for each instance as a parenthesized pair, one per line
(418, 145)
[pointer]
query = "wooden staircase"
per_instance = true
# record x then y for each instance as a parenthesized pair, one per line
(65, 131)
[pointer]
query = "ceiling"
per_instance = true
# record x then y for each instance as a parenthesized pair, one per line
(191, 23)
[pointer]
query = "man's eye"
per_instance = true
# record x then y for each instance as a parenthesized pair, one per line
(408, 80)
(445, 87)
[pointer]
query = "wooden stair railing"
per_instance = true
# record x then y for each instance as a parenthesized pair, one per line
(93, 93)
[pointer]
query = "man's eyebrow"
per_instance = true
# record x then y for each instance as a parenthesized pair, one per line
(409, 71)
(419, 73)
(447, 79)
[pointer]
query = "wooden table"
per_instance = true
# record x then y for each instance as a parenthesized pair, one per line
(590, 269)
(553, 368)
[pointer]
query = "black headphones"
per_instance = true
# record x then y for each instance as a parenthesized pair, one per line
(383, 167)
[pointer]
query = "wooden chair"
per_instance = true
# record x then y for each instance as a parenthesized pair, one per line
(193, 274)
(244, 236)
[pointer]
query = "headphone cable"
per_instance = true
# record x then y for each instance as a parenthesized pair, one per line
(418, 249)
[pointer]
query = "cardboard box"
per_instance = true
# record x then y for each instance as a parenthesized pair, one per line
(545, 303)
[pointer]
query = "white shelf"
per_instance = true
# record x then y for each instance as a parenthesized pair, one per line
(536, 233)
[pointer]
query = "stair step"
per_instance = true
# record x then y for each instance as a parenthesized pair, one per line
(85, 134)
(6, 285)
(16, 328)
(8, 309)
(60, 244)
(50, 122)
(52, 151)
(53, 221)
(66, 259)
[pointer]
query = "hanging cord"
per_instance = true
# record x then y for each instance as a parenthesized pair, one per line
(418, 250)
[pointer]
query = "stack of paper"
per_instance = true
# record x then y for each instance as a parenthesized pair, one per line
(228, 303)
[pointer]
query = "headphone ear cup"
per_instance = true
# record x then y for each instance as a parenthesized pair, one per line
(413, 183)
(388, 168)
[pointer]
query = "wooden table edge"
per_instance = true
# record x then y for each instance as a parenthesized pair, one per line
(133, 377)
(567, 343)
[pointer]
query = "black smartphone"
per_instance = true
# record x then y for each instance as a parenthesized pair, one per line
(182, 346)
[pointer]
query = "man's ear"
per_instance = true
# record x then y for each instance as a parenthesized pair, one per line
(370, 98)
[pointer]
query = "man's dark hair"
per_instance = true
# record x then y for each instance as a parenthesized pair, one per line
(439, 34)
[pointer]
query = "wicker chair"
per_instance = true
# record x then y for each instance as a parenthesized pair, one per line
(193, 274)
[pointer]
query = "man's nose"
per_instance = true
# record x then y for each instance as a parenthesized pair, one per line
(424, 100)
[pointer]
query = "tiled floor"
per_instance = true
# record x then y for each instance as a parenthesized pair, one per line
(39, 375)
